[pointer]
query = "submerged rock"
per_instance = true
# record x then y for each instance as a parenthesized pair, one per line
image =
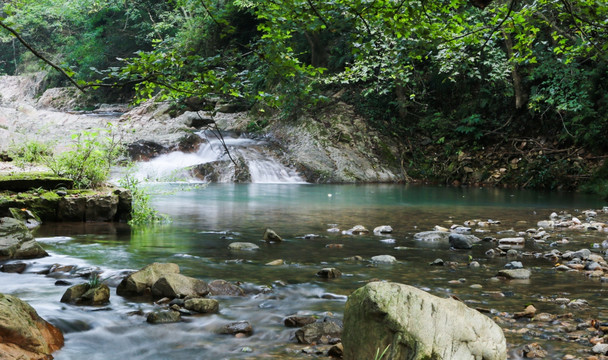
(432, 236)
(16, 241)
(23, 333)
(417, 326)
(164, 317)
(202, 305)
(462, 241)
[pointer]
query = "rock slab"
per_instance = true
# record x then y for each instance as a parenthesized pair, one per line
(417, 326)
(16, 241)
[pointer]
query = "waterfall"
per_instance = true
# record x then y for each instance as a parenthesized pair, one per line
(255, 160)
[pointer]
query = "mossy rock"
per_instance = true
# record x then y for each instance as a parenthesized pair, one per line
(33, 180)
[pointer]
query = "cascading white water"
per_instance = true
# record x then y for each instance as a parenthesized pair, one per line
(262, 166)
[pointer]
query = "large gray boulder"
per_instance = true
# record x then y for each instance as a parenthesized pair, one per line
(417, 326)
(140, 282)
(23, 333)
(16, 241)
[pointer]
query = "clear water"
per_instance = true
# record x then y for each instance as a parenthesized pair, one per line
(206, 220)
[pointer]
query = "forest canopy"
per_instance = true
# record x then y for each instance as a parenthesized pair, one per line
(472, 71)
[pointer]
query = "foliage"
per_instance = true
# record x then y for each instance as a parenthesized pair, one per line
(142, 211)
(94, 280)
(29, 152)
(89, 161)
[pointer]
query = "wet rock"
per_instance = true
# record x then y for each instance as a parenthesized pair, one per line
(329, 273)
(416, 325)
(533, 351)
(462, 241)
(384, 259)
(13, 268)
(578, 304)
(164, 317)
(514, 265)
(336, 351)
(236, 328)
(224, 288)
(515, 274)
(23, 333)
(319, 333)
(512, 241)
(275, 262)
(85, 294)
(271, 236)
(437, 262)
(299, 321)
(528, 312)
(144, 150)
(140, 282)
(202, 305)
(179, 286)
(383, 229)
(357, 230)
(432, 236)
(62, 283)
(16, 241)
(600, 349)
(243, 246)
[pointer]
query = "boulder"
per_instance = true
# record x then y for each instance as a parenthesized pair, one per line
(238, 327)
(432, 236)
(23, 333)
(327, 332)
(85, 294)
(462, 241)
(271, 236)
(417, 326)
(224, 288)
(140, 282)
(202, 305)
(179, 286)
(16, 241)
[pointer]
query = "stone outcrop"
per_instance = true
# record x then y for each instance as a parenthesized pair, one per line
(23, 333)
(16, 241)
(417, 326)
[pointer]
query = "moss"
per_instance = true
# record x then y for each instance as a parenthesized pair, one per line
(50, 195)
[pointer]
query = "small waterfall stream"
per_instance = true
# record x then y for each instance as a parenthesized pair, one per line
(255, 160)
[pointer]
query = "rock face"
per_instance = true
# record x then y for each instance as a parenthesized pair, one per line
(16, 241)
(417, 326)
(24, 334)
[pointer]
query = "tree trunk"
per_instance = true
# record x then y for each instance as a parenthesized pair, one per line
(521, 98)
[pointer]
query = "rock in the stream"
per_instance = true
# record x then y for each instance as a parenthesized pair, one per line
(84, 294)
(432, 236)
(417, 326)
(179, 286)
(515, 274)
(24, 334)
(236, 328)
(164, 317)
(224, 288)
(299, 321)
(462, 241)
(243, 246)
(16, 241)
(271, 236)
(384, 259)
(140, 282)
(383, 229)
(329, 273)
(202, 305)
(326, 332)
(13, 268)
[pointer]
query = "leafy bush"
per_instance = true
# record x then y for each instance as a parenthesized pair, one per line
(142, 212)
(30, 152)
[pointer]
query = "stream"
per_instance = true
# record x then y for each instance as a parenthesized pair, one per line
(206, 218)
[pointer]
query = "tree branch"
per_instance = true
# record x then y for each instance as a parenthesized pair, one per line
(40, 56)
